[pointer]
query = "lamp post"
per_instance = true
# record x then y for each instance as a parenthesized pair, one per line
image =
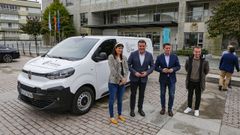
(4, 38)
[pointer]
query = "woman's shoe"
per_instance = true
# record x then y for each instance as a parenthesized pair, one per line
(113, 121)
(120, 117)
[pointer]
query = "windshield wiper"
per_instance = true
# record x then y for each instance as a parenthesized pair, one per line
(59, 57)
(48, 56)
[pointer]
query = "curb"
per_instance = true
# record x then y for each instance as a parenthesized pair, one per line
(214, 78)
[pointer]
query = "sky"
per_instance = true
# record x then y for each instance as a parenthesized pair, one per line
(40, 1)
(37, 0)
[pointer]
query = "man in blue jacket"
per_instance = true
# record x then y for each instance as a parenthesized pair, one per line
(226, 66)
(141, 65)
(167, 65)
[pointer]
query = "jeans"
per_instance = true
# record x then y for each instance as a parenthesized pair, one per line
(194, 86)
(115, 90)
(171, 93)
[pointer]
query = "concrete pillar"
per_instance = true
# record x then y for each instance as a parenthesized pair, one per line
(181, 20)
(76, 12)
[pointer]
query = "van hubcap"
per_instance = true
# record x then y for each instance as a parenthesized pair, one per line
(84, 101)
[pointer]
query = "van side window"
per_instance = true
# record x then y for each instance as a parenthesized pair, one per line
(104, 50)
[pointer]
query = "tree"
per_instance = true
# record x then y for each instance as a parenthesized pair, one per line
(32, 27)
(225, 20)
(66, 23)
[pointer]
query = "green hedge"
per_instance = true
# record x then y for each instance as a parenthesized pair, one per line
(188, 52)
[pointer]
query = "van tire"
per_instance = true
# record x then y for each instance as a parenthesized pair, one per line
(83, 100)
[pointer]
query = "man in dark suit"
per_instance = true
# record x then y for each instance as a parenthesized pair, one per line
(167, 65)
(140, 65)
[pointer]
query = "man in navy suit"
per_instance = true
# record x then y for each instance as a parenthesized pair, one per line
(167, 65)
(140, 64)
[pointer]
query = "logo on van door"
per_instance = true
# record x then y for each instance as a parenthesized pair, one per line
(29, 75)
(129, 47)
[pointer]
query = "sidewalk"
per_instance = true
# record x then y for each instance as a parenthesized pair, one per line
(213, 119)
(219, 111)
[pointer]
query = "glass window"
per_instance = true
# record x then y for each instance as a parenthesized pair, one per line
(100, 1)
(156, 17)
(196, 12)
(145, 15)
(167, 15)
(34, 10)
(193, 39)
(72, 48)
(163, 14)
(83, 18)
(114, 18)
(69, 2)
(106, 47)
(156, 41)
(8, 7)
(71, 18)
(206, 9)
(84, 2)
(8, 17)
(131, 16)
(10, 25)
(122, 18)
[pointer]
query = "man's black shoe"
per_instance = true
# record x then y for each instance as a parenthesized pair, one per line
(225, 89)
(141, 112)
(220, 88)
(162, 112)
(170, 113)
(132, 114)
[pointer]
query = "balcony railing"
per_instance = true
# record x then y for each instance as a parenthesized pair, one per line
(197, 16)
(161, 17)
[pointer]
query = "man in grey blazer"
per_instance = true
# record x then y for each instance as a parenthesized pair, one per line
(140, 64)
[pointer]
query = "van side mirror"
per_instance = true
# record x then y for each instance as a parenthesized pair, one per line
(101, 56)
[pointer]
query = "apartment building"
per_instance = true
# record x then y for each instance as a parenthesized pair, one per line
(180, 22)
(12, 14)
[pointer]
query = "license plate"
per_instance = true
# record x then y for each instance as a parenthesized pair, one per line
(26, 93)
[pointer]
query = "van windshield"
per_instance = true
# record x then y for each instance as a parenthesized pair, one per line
(72, 48)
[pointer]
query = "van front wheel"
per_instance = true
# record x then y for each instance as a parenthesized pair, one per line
(83, 100)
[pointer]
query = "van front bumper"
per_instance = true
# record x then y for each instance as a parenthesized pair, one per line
(58, 98)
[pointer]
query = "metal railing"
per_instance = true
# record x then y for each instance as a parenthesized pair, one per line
(197, 16)
(28, 47)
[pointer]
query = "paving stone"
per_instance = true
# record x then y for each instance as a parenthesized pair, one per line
(22, 118)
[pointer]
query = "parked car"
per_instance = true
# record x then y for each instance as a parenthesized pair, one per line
(7, 54)
(73, 74)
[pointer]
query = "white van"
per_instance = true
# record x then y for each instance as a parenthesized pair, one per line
(73, 74)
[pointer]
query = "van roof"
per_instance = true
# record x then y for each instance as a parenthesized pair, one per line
(107, 37)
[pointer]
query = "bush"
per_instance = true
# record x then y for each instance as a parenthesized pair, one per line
(188, 52)
(204, 51)
(185, 52)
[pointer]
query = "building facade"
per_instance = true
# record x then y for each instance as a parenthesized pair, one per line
(13, 13)
(180, 22)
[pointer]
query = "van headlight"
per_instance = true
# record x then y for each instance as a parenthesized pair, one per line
(61, 74)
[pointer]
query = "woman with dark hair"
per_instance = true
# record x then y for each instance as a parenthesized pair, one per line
(117, 80)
